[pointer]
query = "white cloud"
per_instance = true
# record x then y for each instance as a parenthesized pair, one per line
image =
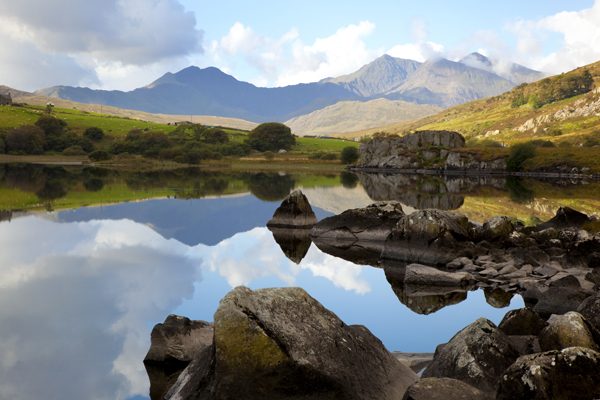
(417, 51)
(580, 45)
(287, 60)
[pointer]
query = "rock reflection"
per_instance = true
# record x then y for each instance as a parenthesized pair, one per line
(294, 242)
(357, 252)
(422, 299)
(498, 298)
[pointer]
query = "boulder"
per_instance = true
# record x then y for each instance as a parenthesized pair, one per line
(294, 211)
(430, 237)
(417, 274)
(476, 355)
(571, 373)
(281, 343)
(443, 389)
(565, 218)
(178, 339)
(372, 223)
(568, 330)
(173, 344)
(558, 300)
(497, 228)
(590, 309)
(523, 321)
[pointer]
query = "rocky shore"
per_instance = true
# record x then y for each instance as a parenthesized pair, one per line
(281, 343)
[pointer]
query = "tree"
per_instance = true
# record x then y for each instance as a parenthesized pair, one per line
(51, 126)
(99, 155)
(94, 133)
(519, 153)
(349, 155)
(28, 139)
(215, 135)
(277, 135)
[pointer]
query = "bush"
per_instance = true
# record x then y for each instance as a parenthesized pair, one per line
(215, 135)
(591, 142)
(519, 153)
(99, 155)
(74, 151)
(269, 155)
(316, 156)
(94, 133)
(2, 146)
(565, 144)
(329, 156)
(275, 134)
(86, 144)
(349, 155)
(542, 143)
(27, 139)
(170, 154)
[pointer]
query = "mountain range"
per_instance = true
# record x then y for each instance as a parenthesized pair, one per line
(209, 91)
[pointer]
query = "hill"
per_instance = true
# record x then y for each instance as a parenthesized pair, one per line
(34, 99)
(514, 73)
(566, 121)
(210, 91)
(347, 116)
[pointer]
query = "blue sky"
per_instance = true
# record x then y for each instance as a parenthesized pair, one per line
(124, 44)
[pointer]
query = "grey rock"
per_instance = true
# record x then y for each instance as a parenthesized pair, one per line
(571, 373)
(522, 322)
(497, 228)
(568, 330)
(526, 344)
(443, 389)
(509, 269)
(417, 274)
(477, 355)
(546, 271)
(565, 280)
(565, 218)
(372, 223)
(281, 343)
(545, 235)
(294, 211)
(558, 300)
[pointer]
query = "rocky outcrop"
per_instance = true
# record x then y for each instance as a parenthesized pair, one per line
(294, 212)
(456, 161)
(174, 344)
(571, 373)
(417, 274)
(476, 355)
(281, 343)
(404, 152)
(443, 389)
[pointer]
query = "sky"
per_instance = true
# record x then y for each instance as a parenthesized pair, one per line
(126, 44)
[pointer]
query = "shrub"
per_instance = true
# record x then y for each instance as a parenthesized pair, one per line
(316, 156)
(27, 139)
(329, 156)
(94, 133)
(277, 135)
(170, 154)
(542, 143)
(349, 155)
(215, 135)
(86, 144)
(519, 153)
(193, 157)
(565, 144)
(269, 155)
(591, 142)
(74, 151)
(99, 155)
(2, 146)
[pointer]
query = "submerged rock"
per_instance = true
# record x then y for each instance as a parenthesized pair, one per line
(571, 373)
(281, 343)
(294, 211)
(477, 355)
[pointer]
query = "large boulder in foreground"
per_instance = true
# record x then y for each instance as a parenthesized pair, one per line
(477, 355)
(571, 373)
(568, 330)
(281, 343)
(443, 389)
(294, 212)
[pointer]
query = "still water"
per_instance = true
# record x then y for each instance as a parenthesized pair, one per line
(82, 287)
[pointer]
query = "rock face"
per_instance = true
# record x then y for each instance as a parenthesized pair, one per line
(174, 344)
(281, 343)
(443, 389)
(476, 355)
(571, 373)
(295, 211)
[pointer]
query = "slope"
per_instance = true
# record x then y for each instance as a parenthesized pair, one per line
(512, 72)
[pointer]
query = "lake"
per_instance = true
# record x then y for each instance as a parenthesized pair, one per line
(92, 259)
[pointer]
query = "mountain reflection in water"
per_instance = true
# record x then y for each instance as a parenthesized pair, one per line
(82, 289)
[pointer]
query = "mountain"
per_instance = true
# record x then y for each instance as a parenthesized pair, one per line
(349, 116)
(379, 76)
(447, 83)
(210, 91)
(512, 72)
